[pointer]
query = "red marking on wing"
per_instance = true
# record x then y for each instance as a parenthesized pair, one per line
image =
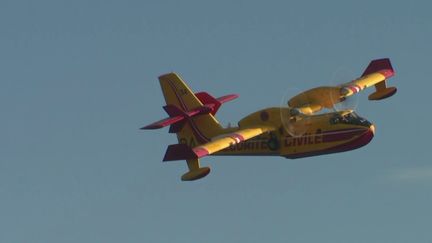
(382, 66)
(387, 73)
(200, 152)
(353, 89)
(237, 137)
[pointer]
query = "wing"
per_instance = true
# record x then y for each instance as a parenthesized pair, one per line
(376, 74)
(184, 152)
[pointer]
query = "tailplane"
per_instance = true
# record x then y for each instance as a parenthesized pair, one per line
(191, 117)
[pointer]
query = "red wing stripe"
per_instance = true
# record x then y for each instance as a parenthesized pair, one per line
(358, 88)
(353, 89)
(237, 137)
(200, 152)
(387, 73)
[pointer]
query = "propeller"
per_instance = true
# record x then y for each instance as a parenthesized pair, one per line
(341, 76)
(294, 121)
(297, 106)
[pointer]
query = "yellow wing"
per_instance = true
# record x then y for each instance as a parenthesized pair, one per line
(376, 74)
(218, 143)
(224, 141)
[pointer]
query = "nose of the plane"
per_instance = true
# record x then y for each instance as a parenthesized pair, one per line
(372, 129)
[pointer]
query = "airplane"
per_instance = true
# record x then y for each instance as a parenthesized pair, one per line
(301, 129)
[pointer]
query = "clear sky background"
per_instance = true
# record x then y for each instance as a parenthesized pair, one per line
(78, 78)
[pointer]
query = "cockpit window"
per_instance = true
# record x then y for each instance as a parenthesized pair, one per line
(349, 118)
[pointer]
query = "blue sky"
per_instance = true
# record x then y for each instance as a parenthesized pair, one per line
(78, 78)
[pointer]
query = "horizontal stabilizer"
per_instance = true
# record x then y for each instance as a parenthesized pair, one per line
(210, 105)
(163, 123)
(214, 103)
(227, 98)
(176, 115)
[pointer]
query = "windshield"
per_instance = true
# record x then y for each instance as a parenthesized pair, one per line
(349, 118)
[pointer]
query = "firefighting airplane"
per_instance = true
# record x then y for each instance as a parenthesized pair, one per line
(296, 131)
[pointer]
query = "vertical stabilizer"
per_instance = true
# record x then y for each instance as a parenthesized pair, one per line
(197, 129)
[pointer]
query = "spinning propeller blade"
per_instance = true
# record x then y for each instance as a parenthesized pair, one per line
(295, 121)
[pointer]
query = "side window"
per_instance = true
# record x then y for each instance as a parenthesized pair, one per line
(334, 120)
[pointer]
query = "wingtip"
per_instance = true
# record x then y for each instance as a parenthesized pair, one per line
(382, 65)
(179, 152)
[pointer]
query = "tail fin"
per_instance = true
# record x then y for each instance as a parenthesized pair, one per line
(176, 92)
(197, 129)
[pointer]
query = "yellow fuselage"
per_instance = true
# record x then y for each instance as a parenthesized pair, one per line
(320, 134)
